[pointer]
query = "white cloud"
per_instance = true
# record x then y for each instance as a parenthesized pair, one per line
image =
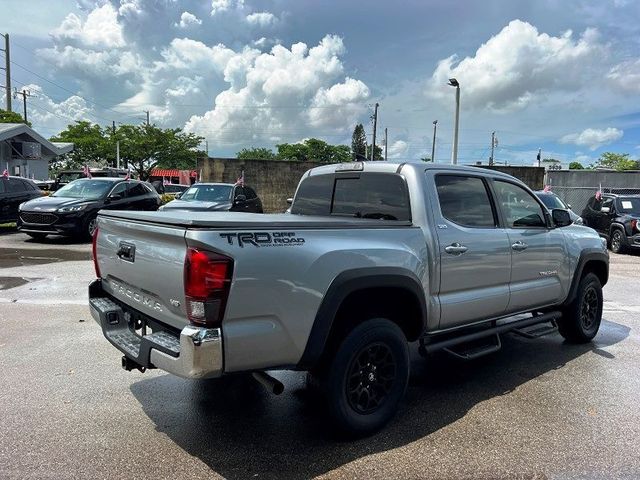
(55, 116)
(626, 76)
(100, 29)
(593, 138)
(261, 19)
(513, 67)
(397, 149)
(187, 20)
(285, 90)
(218, 6)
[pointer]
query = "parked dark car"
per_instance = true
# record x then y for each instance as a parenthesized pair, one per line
(13, 192)
(616, 218)
(72, 210)
(552, 201)
(217, 197)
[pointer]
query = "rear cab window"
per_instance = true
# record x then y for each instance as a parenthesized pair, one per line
(362, 195)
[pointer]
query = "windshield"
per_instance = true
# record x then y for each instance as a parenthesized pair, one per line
(551, 201)
(86, 189)
(630, 205)
(208, 193)
(67, 177)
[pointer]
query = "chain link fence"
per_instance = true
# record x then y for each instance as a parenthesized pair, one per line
(578, 197)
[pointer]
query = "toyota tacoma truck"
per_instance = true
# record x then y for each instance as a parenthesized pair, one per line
(372, 257)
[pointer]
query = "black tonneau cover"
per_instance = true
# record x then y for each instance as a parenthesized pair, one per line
(232, 220)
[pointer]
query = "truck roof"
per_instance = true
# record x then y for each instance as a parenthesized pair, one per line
(394, 166)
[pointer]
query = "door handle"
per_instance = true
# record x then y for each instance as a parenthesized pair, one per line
(455, 249)
(519, 246)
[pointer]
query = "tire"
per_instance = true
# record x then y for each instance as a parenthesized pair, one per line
(617, 241)
(37, 236)
(367, 377)
(90, 227)
(581, 318)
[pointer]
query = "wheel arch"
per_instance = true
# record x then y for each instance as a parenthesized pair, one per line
(358, 294)
(590, 261)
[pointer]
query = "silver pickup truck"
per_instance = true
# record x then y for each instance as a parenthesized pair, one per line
(373, 256)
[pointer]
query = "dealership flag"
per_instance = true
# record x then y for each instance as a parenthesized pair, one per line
(86, 171)
(5, 173)
(240, 180)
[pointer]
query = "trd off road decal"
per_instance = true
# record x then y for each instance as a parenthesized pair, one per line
(263, 239)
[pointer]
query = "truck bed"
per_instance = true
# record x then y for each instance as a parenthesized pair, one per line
(227, 220)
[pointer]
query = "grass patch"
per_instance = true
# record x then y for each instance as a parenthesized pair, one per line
(8, 225)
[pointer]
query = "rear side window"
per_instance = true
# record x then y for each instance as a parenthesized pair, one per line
(368, 195)
(137, 189)
(15, 186)
(465, 201)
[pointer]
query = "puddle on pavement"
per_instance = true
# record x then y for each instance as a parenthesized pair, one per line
(7, 283)
(13, 257)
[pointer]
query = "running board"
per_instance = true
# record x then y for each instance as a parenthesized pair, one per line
(537, 331)
(476, 349)
(433, 344)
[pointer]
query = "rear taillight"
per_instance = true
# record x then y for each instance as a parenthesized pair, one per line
(207, 279)
(94, 243)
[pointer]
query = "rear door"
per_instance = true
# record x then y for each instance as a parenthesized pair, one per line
(538, 254)
(4, 201)
(475, 256)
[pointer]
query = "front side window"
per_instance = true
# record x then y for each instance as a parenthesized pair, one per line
(465, 201)
(519, 206)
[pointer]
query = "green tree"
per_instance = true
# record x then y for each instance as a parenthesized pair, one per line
(313, 149)
(617, 161)
(11, 117)
(144, 147)
(576, 166)
(90, 146)
(378, 154)
(254, 153)
(359, 141)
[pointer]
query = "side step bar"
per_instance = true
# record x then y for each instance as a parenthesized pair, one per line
(427, 347)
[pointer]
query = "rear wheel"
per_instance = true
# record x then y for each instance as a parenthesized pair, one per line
(581, 319)
(617, 242)
(37, 236)
(367, 377)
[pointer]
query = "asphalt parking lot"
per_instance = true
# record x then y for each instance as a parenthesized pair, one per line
(536, 409)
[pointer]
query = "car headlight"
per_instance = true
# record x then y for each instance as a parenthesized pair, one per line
(20, 206)
(161, 207)
(73, 208)
(579, 221)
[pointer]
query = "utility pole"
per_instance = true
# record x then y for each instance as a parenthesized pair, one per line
(385, 144)
(7, 70)
(493, 144)
(433, 142)
(147, 112)
(25, 94)
(375, 125)
(454, 151)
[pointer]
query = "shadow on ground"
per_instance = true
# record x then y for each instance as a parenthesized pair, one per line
(239, 430)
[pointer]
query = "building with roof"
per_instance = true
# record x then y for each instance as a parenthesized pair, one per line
(26, 153)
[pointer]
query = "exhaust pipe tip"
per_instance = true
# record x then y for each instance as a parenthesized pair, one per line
(272, 384)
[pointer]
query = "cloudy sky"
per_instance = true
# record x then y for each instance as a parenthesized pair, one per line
(561, 75)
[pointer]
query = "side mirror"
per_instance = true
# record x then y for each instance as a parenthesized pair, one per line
(240, 199)
(561, 217)
(289, 201)
(114, 196)
(178, 195)
(569, 206)
(605, 209)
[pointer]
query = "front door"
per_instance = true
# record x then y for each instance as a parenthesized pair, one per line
(475, 255)
(538, 256)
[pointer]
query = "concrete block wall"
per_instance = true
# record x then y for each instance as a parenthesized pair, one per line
(276, 180)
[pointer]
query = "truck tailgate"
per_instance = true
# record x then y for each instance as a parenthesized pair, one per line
(141, 264)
